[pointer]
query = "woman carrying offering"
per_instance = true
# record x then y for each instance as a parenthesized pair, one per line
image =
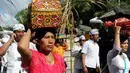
(117, 60)
(42, 61)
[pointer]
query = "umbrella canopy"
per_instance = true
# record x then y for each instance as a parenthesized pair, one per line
(108, 14)
(115, 13)
(83, 29)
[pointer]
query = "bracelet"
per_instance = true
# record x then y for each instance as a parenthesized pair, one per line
(117, 32)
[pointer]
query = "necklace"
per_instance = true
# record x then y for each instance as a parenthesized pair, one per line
(49, 59)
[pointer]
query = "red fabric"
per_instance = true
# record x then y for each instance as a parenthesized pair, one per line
(38, 64)
(123, 22)
(108, 24)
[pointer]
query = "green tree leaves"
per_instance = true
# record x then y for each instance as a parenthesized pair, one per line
(21, 16)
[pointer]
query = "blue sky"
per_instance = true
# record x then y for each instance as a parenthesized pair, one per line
(9, 8)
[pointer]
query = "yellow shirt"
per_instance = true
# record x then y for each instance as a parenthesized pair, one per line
(60, 50)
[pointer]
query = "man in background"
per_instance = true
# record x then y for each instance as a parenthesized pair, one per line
(90, 53)
(76, 52)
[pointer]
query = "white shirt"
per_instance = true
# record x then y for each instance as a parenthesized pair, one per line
(4, 62)
(91, 49)
(14, 60)
(116, 63)
(4, 57)
(32, 46)
(1, 44)
(77, 55)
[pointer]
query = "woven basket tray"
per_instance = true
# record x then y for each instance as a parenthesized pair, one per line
(46, 13)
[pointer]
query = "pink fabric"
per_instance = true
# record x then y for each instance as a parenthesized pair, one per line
(38, 64)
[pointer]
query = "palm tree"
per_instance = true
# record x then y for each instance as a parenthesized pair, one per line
(78, 7)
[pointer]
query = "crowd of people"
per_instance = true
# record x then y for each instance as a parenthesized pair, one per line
(26, 52)
(40, 51)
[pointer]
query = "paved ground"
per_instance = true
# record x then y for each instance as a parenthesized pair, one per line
(69, 61)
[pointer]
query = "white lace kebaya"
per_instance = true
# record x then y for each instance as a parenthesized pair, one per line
(116, 63)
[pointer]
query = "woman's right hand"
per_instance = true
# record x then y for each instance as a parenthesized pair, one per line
(117, 29)
(117, 36)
